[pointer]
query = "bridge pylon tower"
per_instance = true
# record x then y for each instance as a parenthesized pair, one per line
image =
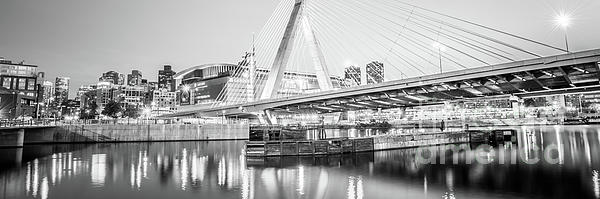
(297, 19)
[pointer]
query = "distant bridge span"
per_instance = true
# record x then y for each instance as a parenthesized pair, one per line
(561, 74)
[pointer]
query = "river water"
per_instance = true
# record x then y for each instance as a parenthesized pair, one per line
(220, 170)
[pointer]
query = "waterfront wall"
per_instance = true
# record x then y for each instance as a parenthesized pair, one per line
(136, 133)
(11, 137)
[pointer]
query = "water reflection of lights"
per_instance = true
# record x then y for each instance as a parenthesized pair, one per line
(184, 169)
(221, 172)
(38, 180)
(448, 195)
(191, 167)
(425, 185)
(44, 188)
(586, 143)
(450, 185)
(28, 178)
(138, 170)
(269, 178)
(561, 152)
(300, 180)
(323, 184)
(145, 164)
(98, 169)
(450, 180)
(355, 187)
(35, 178)
(351, 188)
(596, 183)
(248, 184)
(132, 176)
(230, 176)
(198, 167)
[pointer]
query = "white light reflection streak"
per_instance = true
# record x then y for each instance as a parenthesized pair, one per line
(138, 171)
(323, 184)
(60, 166)
(230, 176)
(184, 169)
(221, 172)
(54, 170)
(300, 180)
(560, 146)
(28, 178)
(586, 144)
(425, 185)
(351, 188)
(359, 188)
(194, 169)
(69, 163)
(35, 178)
(98, 169)
(145, 164)
(44, 188)
(202, 171)
(596, 183)
(248, 184)
(132, 175)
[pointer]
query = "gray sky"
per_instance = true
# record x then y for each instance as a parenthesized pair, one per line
(83, 38)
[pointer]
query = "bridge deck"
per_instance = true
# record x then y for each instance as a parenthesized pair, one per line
(568, 73)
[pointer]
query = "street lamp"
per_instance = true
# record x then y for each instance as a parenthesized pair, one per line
(147, 112)
(440, 48)
(563, 20)
(185, 88)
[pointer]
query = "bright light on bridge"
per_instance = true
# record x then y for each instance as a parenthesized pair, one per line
(563, 20)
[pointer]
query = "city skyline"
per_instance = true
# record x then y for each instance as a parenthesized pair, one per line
(299, 99)
(61, 44)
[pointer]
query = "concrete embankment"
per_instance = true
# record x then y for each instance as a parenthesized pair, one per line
(133, 133)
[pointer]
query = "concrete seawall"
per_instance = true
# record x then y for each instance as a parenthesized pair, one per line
(135, 133)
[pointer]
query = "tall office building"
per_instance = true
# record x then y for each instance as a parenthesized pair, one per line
(375, 73)
(132, 96)
(47, 99)
(135, 78)
(83, 90)
(61, 89)
(48, 92)
(163, 101)
(113, 77)
(352, 76)
(165, 78)
(105, 93)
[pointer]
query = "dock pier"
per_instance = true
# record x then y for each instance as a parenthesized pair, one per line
(332, 146)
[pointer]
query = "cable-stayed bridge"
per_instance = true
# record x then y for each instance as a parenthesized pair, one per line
(429, 58)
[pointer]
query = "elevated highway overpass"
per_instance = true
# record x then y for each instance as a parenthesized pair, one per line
(576, 72)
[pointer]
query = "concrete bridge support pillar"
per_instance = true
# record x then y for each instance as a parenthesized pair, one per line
(20, 137)
(562, 107)
(12, 138)
(18, 156)
(267, 117)
(516, 103)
